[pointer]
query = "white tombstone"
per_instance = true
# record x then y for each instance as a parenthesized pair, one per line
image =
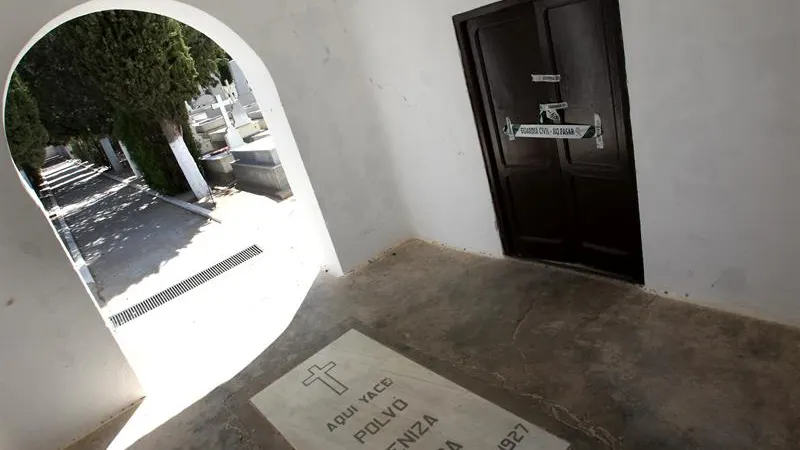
(245, 93)
(116, 165)
(240, 117)
(359, 394)
(232, 137)
(131, 162)
(203, 101)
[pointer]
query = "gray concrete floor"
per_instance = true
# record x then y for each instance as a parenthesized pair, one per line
(597, 361)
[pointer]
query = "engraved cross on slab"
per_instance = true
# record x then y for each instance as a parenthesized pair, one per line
(323, 374)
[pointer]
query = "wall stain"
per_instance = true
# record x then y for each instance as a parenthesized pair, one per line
(31, 249)
(327, 55)
(372, 82)
(732, 279)
(10, 301)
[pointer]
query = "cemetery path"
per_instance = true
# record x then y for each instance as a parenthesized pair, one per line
(134, 244)
(137, 246)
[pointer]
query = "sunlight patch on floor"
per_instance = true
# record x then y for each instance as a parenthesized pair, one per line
(184, 349)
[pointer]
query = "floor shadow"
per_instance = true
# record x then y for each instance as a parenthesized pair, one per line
(603, 356)
(102, 438)
(124, 234)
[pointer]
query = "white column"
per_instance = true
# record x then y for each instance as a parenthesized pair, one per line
(116, 166)
(189, 168)
(131, 162)
(25, 178)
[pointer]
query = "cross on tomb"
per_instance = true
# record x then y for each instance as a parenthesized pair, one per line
(322, 374)
(220, 105)
(232, 136)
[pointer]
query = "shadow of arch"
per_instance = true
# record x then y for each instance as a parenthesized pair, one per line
(260, 81)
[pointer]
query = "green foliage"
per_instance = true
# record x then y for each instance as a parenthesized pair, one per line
(224, 71)
(152, 153)
(138, 61)
(125, 71)
(206, 54)
(26, 134)
(88, 149)
(69, 105)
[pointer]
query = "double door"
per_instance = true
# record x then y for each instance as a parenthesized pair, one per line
(568, 200)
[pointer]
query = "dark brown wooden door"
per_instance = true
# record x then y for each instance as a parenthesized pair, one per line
(556, 199)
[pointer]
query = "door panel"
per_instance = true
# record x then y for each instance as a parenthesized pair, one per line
(600, 208)
(562, 200)
(542, 219)
(600, 183)
(504, 46)
(507, 72)
(574, 40)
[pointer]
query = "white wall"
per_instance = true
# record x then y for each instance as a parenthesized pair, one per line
(411, 70)
(716, 125)
(313, 55)
(715, 108)
(61, 372)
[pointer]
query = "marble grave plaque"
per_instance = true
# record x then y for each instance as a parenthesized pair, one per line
(358, 394)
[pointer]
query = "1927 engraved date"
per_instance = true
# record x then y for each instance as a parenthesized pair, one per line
(513, 437)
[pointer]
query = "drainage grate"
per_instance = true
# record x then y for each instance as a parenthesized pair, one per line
(184, 286)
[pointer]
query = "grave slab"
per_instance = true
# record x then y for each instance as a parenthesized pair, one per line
(358, 394)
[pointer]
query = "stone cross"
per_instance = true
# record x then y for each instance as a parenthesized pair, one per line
(232, 136)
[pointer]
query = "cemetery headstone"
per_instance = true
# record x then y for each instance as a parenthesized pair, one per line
(240, 117)
(245, 93)
(358, 394)
(232, 137)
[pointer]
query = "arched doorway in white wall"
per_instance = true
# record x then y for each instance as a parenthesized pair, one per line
(199, 334)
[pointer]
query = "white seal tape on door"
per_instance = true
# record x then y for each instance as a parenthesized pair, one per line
(541, 78)
(550, 131)
(553, 106)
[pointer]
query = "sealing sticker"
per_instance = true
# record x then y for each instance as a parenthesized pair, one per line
(553, 106)
(550, 110)
(539, 78)
(550, 131)
(598, 124)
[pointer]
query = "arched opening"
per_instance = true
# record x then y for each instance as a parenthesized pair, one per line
(177, 375)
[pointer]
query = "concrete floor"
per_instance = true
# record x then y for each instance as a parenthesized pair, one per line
(597, 361)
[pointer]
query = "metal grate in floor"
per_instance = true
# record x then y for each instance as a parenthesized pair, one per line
(184, 286)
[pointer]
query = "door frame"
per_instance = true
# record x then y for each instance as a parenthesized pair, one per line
(469, 65)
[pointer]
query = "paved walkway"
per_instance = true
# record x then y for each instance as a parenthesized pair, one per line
(137, 246)
(128, 238)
